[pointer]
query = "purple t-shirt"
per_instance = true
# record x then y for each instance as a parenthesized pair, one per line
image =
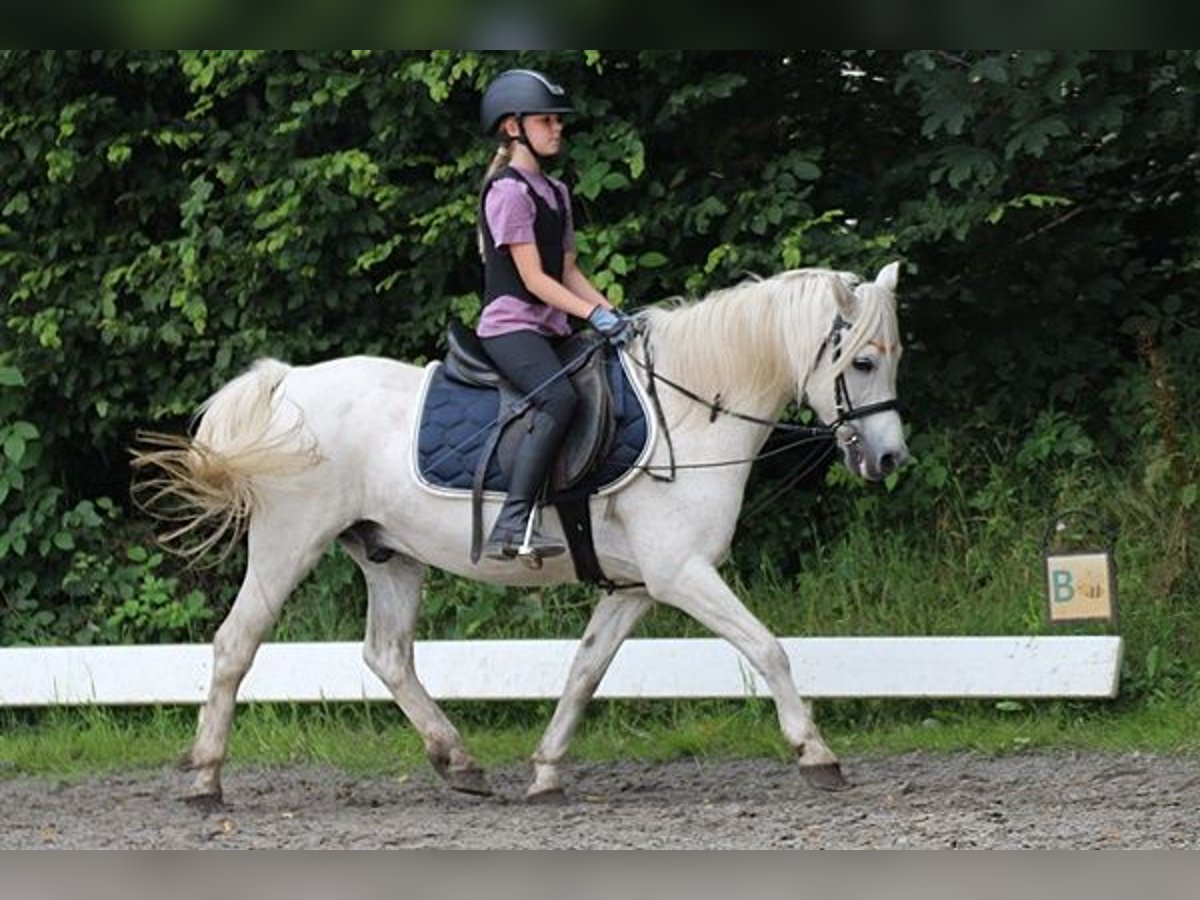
(510, 212)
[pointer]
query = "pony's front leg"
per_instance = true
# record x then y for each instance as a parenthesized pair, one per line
(612, 621)
(698, 590)
(393, 600)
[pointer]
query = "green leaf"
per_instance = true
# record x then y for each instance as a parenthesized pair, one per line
(805, 170)
(10, 377)
(614, 181)
(652, 260)
(1035, 138)
(119, 154)
(949, 115)
(1188, 495)
(991, 69)
(14, 447)
(17, 205)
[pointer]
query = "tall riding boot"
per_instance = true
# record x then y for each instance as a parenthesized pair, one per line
(534, 456)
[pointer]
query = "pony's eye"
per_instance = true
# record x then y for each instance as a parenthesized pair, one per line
(863, 364)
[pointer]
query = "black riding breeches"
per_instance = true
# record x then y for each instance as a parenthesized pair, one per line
(530, 362)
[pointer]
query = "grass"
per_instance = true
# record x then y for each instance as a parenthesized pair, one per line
(373, 738)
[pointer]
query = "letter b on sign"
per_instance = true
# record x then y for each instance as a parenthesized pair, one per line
(1062, 586)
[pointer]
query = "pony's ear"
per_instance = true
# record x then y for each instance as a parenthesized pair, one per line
(888, 276)
(847, 299)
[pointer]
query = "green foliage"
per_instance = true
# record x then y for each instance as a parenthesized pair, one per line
(131, 598)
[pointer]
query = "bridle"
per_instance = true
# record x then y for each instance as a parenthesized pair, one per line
(843, 406)
(846, 410)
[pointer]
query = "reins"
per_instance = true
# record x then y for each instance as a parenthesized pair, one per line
(846, 410)
(809, 432)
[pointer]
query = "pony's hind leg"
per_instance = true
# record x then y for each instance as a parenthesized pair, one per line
(698, 590)
(612, 621)
(277, 558)
(393, 600)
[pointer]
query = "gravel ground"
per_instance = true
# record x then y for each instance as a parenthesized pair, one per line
(913, 800)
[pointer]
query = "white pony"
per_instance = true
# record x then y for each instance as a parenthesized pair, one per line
(295, 456)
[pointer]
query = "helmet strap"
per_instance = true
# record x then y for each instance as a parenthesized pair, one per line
(524, 139)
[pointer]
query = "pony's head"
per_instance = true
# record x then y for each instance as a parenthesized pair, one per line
(852, 385)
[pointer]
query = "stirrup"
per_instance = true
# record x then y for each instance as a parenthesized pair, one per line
(531, 554)
(527, 553)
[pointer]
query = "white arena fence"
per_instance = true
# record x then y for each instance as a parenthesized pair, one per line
(898, 667)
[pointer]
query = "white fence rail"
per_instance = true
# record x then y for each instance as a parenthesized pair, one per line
(999, 667)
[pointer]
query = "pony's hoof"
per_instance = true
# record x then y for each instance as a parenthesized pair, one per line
(551, 797)
(826, 776)
(468, 781)
(205, 803)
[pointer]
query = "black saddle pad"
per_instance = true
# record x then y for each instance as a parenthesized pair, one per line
(457, 421)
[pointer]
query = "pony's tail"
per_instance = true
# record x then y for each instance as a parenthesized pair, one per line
(206, 487)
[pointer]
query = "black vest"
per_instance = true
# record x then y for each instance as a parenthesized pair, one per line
(500, 275)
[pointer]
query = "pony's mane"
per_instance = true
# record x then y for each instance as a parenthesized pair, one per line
(753, 343)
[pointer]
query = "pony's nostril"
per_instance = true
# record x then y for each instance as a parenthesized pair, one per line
(887, 463)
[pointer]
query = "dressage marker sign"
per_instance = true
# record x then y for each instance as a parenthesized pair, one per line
(1081, 582)
(1081, 587)
(969, 667)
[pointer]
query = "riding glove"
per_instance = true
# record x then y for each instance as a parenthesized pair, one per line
(612, 323)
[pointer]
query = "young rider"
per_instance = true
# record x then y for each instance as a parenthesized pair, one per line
(532, 284)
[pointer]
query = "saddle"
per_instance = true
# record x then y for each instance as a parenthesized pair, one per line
(591, 432)
(588, 439)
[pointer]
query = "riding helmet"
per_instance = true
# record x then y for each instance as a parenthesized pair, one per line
(520, 92)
